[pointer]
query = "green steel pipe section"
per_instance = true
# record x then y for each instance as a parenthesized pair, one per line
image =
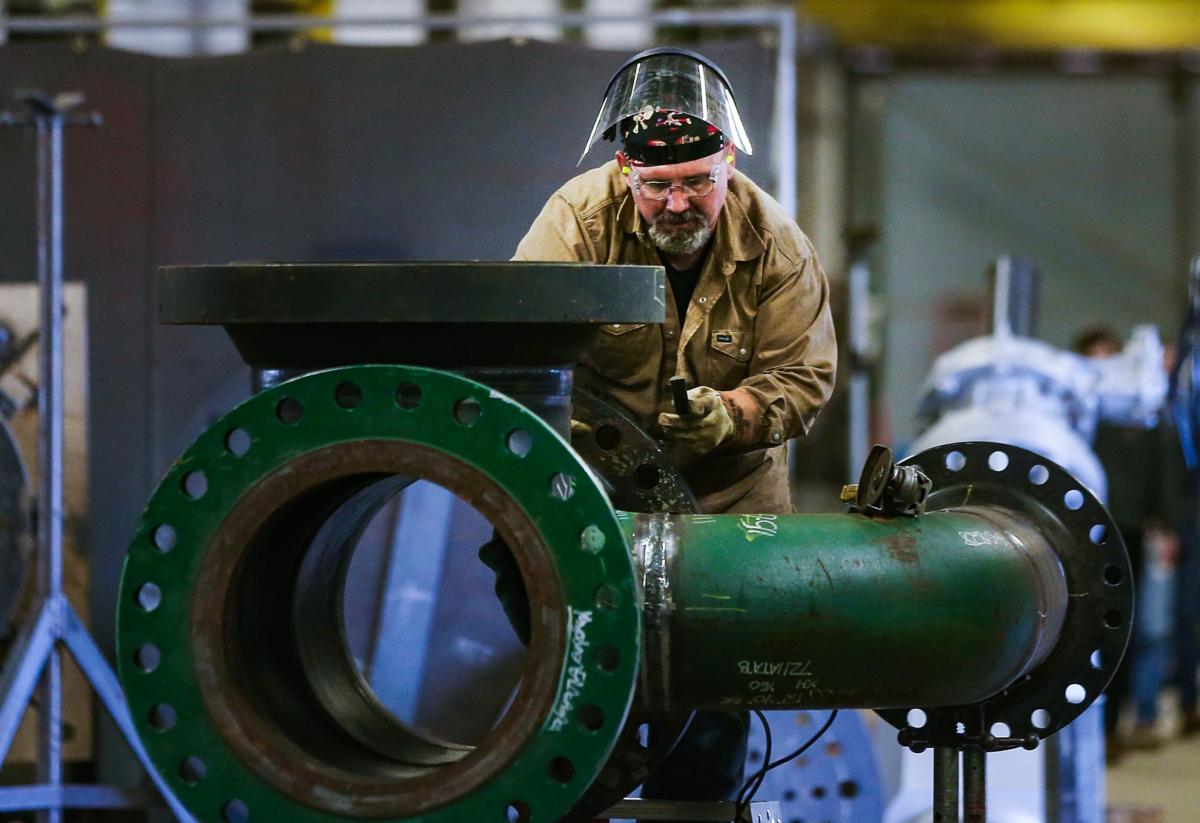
(841, 610)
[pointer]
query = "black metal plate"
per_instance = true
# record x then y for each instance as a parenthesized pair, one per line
(638, 475)
(444, 315)
(254, 293)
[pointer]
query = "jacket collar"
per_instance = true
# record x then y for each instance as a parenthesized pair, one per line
(735, 238)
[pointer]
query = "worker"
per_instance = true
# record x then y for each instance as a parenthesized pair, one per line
(747, 315)
(747, 320)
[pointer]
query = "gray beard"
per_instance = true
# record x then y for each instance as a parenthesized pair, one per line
(679, 240)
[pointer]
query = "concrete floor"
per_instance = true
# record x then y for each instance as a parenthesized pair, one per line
(1161, 786)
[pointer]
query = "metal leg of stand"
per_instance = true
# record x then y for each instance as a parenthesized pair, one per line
(36, 655)
(26, 659)
(106, 686)
(974, 762)
(945, 784)
(50, 441)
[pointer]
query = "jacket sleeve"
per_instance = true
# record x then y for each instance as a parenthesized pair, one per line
(795, 351)
(557, 236)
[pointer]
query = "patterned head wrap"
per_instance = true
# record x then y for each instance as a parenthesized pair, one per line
(657, 137)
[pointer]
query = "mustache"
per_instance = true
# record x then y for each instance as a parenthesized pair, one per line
(678, 219)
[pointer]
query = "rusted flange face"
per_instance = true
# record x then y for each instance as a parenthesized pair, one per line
(1096, 620)
(229, 624)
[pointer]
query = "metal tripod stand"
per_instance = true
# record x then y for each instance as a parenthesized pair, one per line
(54, 625)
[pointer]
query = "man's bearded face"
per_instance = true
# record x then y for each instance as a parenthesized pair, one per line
(680, 233)
(682, 224)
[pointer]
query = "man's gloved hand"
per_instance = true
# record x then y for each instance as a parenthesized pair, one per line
(510, 586)
(708, 425)
(580, 430)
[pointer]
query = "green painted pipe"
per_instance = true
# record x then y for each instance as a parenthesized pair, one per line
(823, 611)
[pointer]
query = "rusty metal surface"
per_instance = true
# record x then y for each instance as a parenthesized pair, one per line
(638, 475)
(270, 721)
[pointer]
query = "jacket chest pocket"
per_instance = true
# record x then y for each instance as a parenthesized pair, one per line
(726, 358)
(621, 350)
(731, 343)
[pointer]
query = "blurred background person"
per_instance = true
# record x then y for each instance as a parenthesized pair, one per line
(1146, 499)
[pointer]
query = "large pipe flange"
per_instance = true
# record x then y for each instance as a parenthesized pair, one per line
(230, 643)
(990, 479)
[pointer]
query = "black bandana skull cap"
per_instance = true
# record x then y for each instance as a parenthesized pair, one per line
(657, 137)
(669, 105)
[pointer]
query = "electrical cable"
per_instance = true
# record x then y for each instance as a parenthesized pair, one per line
(755, 781)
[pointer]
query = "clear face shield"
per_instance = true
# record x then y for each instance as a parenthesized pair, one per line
(673, 81)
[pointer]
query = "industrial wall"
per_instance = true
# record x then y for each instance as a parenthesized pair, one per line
(1078, 173)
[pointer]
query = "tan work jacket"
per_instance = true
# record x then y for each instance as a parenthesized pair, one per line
(758, 319)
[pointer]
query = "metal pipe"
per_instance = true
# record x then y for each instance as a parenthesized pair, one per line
(832, 611)
(785, 113)
(945, 784)
(860, 374)
(49, 126)
(1014, 282)
(974, 785)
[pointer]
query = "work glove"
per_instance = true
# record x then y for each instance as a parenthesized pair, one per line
(580, 430)
(510, 586)
(707, 426)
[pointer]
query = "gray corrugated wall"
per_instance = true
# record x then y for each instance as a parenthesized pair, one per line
(1077, 173)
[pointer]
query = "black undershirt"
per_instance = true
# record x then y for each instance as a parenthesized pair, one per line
(683, 283)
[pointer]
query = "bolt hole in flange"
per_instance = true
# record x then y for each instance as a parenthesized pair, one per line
(238, 442)
(195, 485)
(289, 411)
(164, 538)
(149, 597)
(348, 394)
(408, 396)
(290, 545)
(1092, 558)
(608, 437)
(519, 442)
(192, 769)
(561, 770)
(467, 411)
(147, 658)
(646, 476)
(163, 717)
(235, 811)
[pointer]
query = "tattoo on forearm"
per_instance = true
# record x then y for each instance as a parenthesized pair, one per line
(741, 426)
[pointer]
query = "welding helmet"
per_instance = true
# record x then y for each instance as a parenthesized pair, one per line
(669, 84)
